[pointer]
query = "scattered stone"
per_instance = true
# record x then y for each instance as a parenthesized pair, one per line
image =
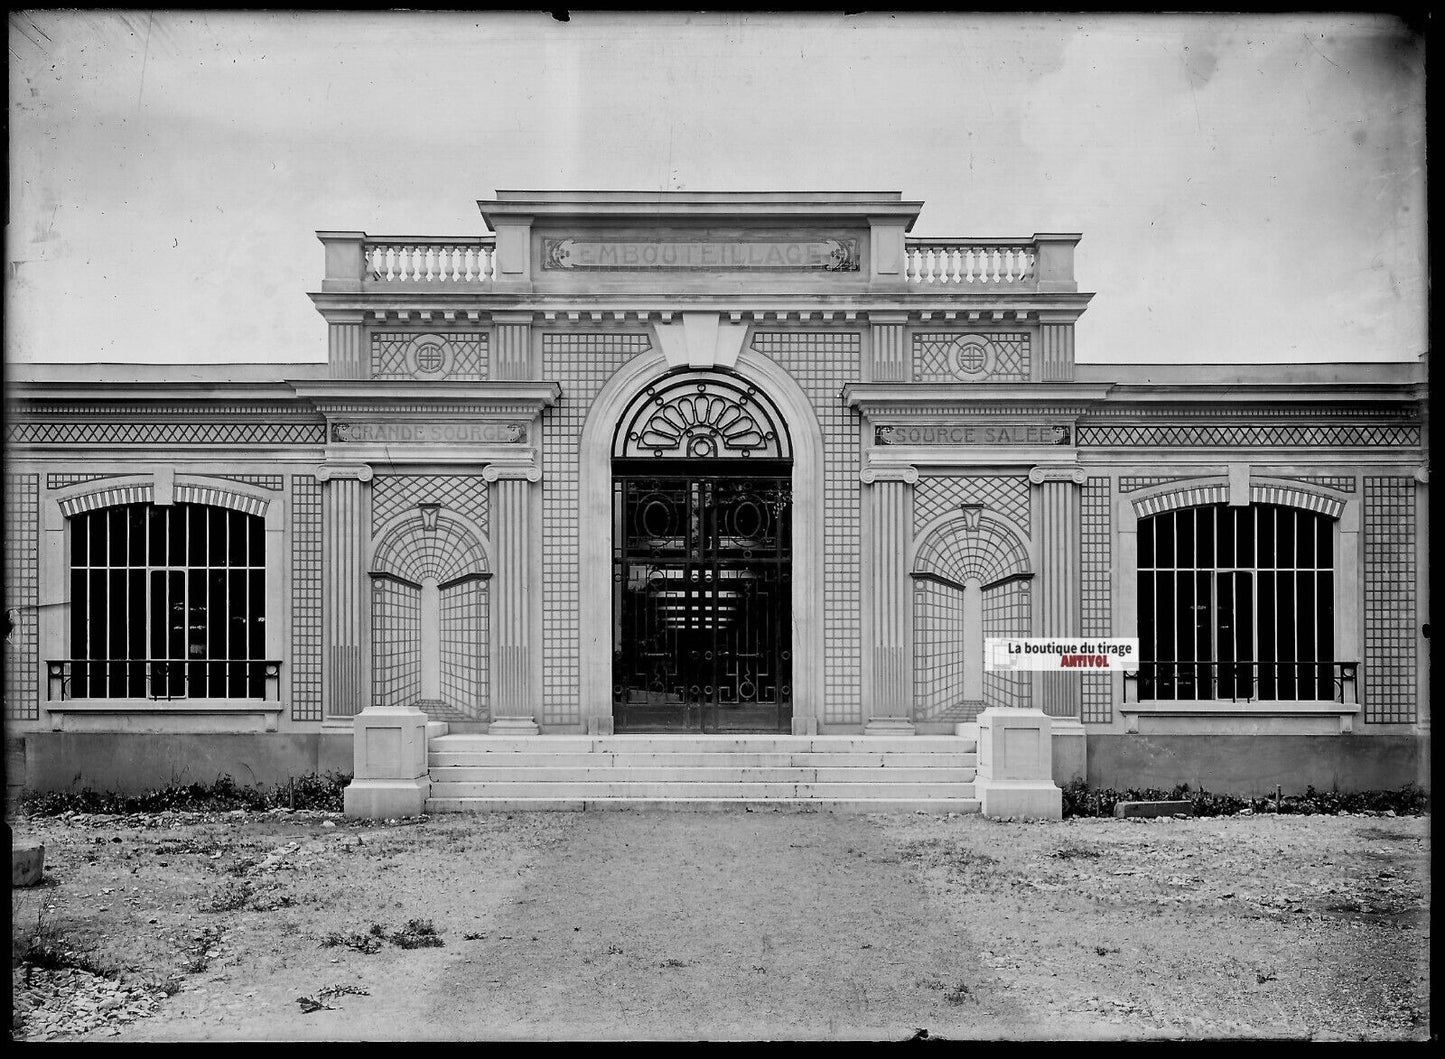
(1152, 810)
(27, 861)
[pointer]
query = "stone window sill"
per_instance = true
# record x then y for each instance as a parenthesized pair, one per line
(166, 706)
(1345, 711)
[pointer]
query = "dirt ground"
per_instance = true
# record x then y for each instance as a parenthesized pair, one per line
(726, 925)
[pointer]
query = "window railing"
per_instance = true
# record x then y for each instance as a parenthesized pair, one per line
(1244, 682)
(163, 679)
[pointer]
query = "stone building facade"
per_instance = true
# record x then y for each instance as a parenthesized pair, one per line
(638, 462)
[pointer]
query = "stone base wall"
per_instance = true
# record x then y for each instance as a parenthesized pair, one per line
(1253, 765)
(134, 762)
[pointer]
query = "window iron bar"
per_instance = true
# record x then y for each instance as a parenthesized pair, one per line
(1163, 680)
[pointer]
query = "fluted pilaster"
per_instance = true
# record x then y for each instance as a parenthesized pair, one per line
(890, 351)
(512, 356)
(346, 354)
(890, 596)
(514, 694)
(344, 690)
(1056, 352)
(1059, 614)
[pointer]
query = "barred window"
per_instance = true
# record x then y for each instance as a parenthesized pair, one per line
(167, 602)
(1236, 603)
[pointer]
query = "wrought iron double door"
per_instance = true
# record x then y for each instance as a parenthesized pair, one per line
(702, 594)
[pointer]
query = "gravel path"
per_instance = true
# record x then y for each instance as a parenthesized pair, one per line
(728, 925)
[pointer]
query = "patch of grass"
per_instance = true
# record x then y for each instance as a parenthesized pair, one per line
(417, 934)
(942, 851)
(365, 943)
(199, 956)
(324, 792)
(959, 994)
(45, 945)
(231, 895)
(1081, 800)
(1071, 852)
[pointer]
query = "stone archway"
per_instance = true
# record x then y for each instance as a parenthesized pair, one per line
(597, 618)
(702, 558)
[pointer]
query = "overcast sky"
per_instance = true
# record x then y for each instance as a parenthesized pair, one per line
(1249, 189)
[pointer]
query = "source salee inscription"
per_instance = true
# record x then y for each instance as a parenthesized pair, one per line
(972, 434)
(430, 433)
(825, 254)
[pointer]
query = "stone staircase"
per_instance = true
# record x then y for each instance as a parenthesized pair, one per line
(846, 773)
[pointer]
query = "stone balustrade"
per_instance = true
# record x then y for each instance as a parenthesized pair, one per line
(970, 262)
(430, 260)
(355, 261)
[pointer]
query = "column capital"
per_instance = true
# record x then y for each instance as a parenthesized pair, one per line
(359, 471)
(906, 475)
(494, 472)
(1058, 472)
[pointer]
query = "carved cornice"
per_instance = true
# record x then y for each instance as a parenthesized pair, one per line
(1059, 472)
(931, 305)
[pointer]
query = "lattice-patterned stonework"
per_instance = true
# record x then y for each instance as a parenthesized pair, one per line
(937, 495)
(167, 434)
(820, 362)
(954, 356)
(459, 356)
(1096, 572)
(466, 494)
(306, 631)
(61, 481)
(22, 570)
(1133, 484)
(264, 481)
(1342, 483)
(1389, 676)
(582, 363)
(1251, 436)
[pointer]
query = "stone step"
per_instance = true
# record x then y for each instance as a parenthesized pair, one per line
(703, 744)
(735, 759)
(750, 791)
(686, 804)
(688, 773)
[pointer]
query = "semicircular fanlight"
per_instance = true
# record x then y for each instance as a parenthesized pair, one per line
(701, 414)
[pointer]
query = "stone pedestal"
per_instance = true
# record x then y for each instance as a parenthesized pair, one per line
(1015, 765)
(390, 768)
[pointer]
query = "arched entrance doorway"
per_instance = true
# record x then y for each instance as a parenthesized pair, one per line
(702, 535)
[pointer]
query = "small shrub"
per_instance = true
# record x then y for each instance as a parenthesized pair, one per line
(323, 792)
(230, 896)
(360, 942)
(417, 934)
(1081, 800)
